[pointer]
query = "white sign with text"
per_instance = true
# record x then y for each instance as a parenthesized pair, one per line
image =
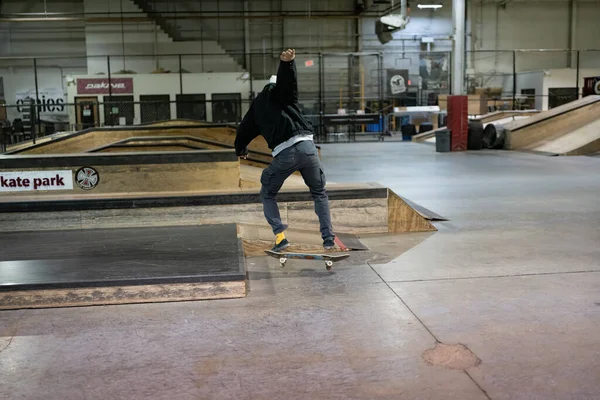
(21, 181)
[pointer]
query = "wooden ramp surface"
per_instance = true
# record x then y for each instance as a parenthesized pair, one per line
(500, 115)
(357, 209)
(258, 238)
(584, 140)
(548, 126)
(421, 137)
(545, 115)
(83, 141)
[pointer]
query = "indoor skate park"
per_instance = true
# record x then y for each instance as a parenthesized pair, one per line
(460, 142)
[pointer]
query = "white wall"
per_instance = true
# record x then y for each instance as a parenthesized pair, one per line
(145, 38)
(565, 78)
(145, 84)
(532, 80)
(542, 81)
(61, 39)
(531, 24)
(21, 80)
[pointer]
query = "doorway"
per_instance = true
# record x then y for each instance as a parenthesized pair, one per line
(86, 111)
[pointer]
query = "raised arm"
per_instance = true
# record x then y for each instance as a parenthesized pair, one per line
(287, 80)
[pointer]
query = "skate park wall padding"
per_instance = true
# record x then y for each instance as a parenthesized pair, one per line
(122, 173)
(360, 208)
(85, 140)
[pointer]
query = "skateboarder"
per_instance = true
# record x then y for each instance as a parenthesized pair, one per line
(275, 114)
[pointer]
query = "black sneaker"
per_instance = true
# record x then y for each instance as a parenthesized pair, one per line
(329, 243)
(284, 244)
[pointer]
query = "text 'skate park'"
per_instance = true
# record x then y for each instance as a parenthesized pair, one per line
(35, 180)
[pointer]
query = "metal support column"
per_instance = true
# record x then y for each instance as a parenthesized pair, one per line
(247, 59)
(180, 76)
(36, 103)
(572, 33)
(577, 66)
(514, 97)
(105, 103)
(458, 47)
(322, 132)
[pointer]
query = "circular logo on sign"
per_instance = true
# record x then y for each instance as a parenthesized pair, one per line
(87, 178)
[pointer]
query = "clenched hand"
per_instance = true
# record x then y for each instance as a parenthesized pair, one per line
(288, 55)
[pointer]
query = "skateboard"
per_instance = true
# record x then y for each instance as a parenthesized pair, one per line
(328, 258)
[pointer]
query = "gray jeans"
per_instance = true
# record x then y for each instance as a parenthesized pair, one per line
(303, 157)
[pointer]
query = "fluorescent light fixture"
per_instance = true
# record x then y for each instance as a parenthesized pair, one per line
(434, 6)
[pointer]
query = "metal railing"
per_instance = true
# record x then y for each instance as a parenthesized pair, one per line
(370, 85)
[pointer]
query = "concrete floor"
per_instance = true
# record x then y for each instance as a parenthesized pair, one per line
(514, 276)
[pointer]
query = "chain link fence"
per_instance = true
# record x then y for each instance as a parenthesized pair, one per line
(345, 95)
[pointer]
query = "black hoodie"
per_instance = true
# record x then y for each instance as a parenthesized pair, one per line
(275, 113)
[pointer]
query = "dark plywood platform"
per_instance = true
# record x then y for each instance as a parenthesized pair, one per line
(118, 266)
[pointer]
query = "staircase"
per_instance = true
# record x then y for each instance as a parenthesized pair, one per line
(188, 30)
(161, 21)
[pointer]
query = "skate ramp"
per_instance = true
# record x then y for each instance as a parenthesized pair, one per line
(497, 116)
(357, 209)
(582, 141)
(569, 120)
(85, 267)
(427, 136)
(93, 138)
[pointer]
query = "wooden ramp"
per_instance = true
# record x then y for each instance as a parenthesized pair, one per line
(361, 208)
(423, 137)
(582, 141)
(121, 266)
(93, 138)
(503, 115)
(548, 126)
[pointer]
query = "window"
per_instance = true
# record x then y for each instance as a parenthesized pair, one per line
(559, 96)
(116, 108)
(530, 102)
(191, 106)
(155, 107)
(226, 107)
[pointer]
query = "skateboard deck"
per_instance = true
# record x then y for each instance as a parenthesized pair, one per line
(328, 258)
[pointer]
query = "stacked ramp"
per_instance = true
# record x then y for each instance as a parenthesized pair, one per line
(571, 129)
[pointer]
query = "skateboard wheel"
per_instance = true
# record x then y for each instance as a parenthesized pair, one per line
(328, 264)
(282, 262)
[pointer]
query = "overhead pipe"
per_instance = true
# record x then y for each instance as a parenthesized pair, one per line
(179, 17)
(298, 13)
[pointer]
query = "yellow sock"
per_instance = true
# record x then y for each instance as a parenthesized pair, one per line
(279, 237)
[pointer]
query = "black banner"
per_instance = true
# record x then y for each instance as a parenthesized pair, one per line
(397, 83)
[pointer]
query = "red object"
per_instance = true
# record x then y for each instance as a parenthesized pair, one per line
(100, 85)
(340, 244)
(458, 121)
(309, 63)
(591, 86)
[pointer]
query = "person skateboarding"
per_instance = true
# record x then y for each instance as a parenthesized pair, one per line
(275, 114)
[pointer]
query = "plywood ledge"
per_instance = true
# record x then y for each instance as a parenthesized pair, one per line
(403, 218)
(77, 297)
